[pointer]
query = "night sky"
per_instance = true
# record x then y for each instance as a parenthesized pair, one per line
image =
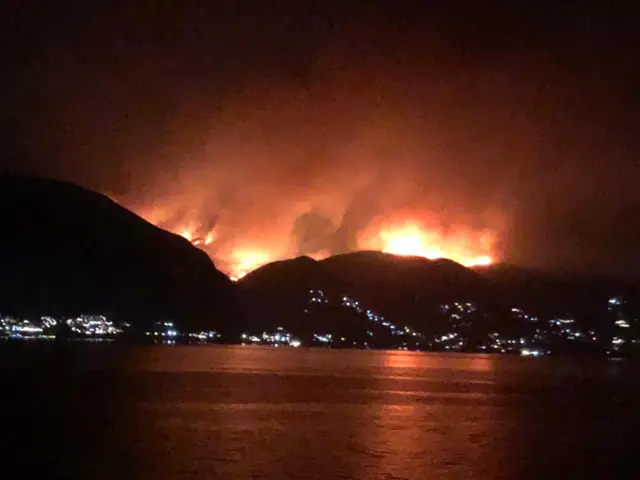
(258, 116)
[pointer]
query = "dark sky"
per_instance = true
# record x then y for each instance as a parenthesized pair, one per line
(521, 118)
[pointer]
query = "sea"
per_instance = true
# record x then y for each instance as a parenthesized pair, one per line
(245, 412)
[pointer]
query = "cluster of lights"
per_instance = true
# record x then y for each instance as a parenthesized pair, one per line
(622, 321)
(506, 345)
(25, 329)
(450, 341)
(567, 328)
(563, 327)
(327, 339)
(459, 307)
(99, 328)
(318, 296)
(164, 332)
(93, 326)
(279, 338)
(458, 316)
(90, 327)
(529, 352)
(205, 336)
(522, 315)
(561, 321)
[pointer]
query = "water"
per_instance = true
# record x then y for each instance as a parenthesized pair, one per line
(259, 413)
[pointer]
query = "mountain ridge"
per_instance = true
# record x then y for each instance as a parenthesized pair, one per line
(69, 250)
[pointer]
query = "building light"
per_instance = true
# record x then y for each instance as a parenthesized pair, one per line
(527, 352)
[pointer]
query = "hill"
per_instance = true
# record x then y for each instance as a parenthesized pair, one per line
(65, 250)
(410, 290)
(554, 293)
(402, 288)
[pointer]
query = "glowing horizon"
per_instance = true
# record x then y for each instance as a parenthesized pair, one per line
(407, 240)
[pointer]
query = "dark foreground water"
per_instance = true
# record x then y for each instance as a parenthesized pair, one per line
(245, 412)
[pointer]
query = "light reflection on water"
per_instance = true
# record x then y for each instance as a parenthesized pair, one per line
(305, 361)
(251, 412)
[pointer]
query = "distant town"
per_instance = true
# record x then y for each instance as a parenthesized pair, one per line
(464, 330)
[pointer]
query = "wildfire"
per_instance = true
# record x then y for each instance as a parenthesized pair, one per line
(401, 233)
(187, 234)
(198, 241)
(243, 261)
(239, 261)
(209, 238)
(467, 247)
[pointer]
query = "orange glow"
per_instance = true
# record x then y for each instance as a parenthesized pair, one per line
(242, 261)
(483, 260)
(414, 238)
(410, 233)
(195, 238)
(187, 234)
(209, 238)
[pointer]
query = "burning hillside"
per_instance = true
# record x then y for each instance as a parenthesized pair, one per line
(281, 170)
(401, 233)
(413, 236)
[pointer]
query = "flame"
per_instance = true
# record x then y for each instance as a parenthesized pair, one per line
(209, 238)
(187, 234)
(244, 260)
(191, 236)
(412, 238)
(407, 233)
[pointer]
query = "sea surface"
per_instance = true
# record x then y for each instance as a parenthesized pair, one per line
(117, 412)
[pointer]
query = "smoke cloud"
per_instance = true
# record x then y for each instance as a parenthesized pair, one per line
(287, 171)
(280, 130)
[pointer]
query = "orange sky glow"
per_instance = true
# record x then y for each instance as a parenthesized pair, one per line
(401, 234)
